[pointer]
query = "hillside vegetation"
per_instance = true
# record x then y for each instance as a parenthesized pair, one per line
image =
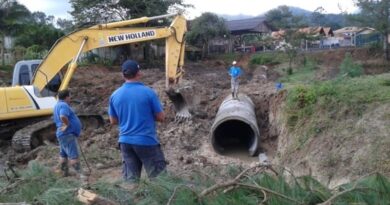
(334, 121)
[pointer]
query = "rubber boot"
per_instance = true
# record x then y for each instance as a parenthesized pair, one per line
(65, 168)
(82, 177)
(233, 95)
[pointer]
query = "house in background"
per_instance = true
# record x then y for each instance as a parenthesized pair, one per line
(238, 29)
(357, 36)
(317, 31)
(320, 37)
(324, 37)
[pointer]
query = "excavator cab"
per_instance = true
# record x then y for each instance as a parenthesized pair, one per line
(23, 74)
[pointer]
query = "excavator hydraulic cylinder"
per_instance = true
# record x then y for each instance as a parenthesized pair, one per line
(235, 126)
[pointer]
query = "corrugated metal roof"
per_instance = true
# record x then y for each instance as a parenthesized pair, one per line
(244, 24)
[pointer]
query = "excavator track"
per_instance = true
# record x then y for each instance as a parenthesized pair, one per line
(34, 135)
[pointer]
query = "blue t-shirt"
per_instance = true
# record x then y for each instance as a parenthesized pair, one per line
(63, 109)
(135, 106)
(235, 71)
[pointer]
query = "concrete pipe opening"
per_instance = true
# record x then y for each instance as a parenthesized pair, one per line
(235, 128)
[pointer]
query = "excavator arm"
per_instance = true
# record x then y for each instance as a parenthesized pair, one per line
(68, 48)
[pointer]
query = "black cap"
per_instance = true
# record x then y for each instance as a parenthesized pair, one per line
(130, 67)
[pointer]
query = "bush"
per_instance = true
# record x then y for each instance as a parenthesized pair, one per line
(349, 68)
(35, 52)
(7, 68)
(263, 59)
(301, 96)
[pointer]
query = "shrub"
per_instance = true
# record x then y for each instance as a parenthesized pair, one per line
(349, 68)
(263, 59)
(301, 96)
(35, 52)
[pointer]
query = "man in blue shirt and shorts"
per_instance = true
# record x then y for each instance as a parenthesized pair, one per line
(136, 108)
(68, 130)
(235, 73)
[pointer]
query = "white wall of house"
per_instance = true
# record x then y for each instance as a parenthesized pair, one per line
(8, 42)
(330, 41)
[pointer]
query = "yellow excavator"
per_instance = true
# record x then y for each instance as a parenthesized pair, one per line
(36, 82)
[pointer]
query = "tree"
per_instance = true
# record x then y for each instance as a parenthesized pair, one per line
(283, 19)
(102, 11)
(376, 14)
(41, 18)
(205, 28)
(99, 11)
(318, 16)
(65, 25)
(40, 31)
(13, 19)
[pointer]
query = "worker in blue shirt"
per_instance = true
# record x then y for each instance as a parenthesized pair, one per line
(68, 130)
(136, 108)
(235, 72)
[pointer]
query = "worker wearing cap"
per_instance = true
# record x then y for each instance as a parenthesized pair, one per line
(235, 73)
(136, 108)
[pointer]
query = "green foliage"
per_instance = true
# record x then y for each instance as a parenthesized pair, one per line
(92, 58)
(305, 73)
(283, 18)
(264, 59)
(35, 52)
(204, 28)
(349, 68)
(112, 191)
(44, 35)
(228, 58)
(338, 98)
(39, 186)
(373, 189)
(98, 11)
(7, 68)
(375, 14)
(13, 17)
(301, 96)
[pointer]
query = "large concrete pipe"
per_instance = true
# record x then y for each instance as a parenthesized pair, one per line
(235, 126)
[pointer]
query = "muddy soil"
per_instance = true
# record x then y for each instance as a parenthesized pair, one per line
(186, 144)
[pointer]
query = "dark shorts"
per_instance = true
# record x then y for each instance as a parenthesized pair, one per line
(136, 156)
(68, 147)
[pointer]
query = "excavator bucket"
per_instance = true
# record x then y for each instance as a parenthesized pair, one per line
(180, 103)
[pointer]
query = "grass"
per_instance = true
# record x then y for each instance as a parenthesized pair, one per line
(39, 186)
(267, 58)
(318, 106)
(6, 68)
(303, 74)
(228, 58)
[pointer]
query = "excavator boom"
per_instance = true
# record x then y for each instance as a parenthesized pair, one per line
(113, 34)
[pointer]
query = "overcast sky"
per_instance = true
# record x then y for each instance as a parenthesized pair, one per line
(60, 8)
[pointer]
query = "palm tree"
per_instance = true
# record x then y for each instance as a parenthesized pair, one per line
(13, 18)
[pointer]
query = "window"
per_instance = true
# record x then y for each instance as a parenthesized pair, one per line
(24, 75)
(34, 68)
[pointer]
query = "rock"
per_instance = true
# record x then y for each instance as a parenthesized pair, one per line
(99, 166)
